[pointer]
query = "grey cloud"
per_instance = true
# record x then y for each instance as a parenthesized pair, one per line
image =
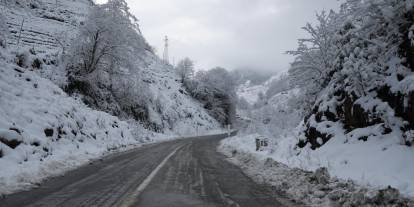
(228, 33)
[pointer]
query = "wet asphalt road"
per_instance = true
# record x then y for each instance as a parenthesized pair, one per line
(181, 173)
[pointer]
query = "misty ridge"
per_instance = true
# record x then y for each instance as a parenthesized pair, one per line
(86, 85)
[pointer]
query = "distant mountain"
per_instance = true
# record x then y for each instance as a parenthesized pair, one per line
(254, 76)
(250, 91)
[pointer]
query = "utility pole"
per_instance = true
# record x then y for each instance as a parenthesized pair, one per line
(165, 55)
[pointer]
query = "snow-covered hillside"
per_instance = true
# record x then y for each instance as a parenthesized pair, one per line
(174, 110)
(46, 28)
(43, 130)
(251, 92)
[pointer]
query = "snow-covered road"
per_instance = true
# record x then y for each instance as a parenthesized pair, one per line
(186, 172)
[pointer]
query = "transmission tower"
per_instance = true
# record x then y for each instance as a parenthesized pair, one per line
(165, 55)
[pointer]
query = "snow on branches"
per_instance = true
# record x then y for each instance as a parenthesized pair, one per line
(356, 68)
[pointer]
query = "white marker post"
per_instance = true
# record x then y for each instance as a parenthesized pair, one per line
(228, 130)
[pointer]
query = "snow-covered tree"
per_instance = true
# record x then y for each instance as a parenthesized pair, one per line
(365, 77)
(218, 78)
(102, 62)
(185, 69)
(108, 39)
(312, 67)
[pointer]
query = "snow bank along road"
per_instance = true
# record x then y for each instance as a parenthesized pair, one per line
(186, 172)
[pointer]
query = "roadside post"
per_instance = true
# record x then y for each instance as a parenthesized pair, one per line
(228, 130)
(261, 143)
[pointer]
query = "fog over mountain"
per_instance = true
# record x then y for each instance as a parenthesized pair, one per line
(231, 33)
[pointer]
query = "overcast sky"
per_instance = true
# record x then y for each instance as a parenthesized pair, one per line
(228, 33)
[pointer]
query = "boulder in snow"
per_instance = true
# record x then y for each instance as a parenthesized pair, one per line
(10, 138)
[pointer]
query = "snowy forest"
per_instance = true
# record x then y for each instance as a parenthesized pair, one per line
(78, 82)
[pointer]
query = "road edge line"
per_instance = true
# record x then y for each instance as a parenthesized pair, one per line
(135, 194)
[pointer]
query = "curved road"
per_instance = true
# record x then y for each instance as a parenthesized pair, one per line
(186, 172)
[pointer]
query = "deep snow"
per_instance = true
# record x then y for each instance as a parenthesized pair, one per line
(312, 188)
